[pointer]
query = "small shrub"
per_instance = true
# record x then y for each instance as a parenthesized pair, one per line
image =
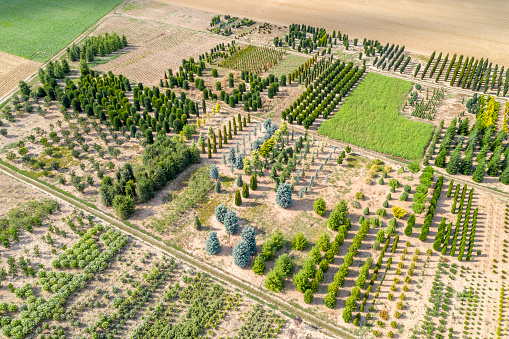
(319, 206)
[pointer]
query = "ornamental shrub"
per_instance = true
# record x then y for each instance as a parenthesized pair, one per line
(385, 204)
(238, 198)
(366, 211)
(308, 296)
(274, 281)
(323, 242)
(299, 242)
(212, 244)
(245, 190)
(398, 212)
(259, 265)
(393, 183)
(253, 184)
(239, 181)
(319, 206)
(381, 212)
(284, 195)
(218, 186)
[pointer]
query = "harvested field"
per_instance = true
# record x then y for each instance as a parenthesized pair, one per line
(13, 69)
(463, 27)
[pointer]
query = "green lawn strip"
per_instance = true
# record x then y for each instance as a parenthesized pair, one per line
(370, 118)
(37, 30)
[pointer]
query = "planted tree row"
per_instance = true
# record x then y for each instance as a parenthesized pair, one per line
(469, 73)
(96, 46)
(324, 95)
(253, 59)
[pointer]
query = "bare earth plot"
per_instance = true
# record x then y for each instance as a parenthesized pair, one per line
(154, 47)
(473, 27)
(13, 69)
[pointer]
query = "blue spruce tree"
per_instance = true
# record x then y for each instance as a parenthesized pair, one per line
(231, 222)
(284, 195)
(248, 235)
(220, 213)
(214, 173)
(212, 244)
(241, 254)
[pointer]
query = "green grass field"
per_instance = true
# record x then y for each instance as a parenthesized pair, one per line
(38, 29)
(370, 118)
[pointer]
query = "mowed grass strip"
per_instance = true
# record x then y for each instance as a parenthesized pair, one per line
(37, 30)
(370, 118)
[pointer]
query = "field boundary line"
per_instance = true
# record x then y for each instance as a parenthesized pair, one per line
(173, 251)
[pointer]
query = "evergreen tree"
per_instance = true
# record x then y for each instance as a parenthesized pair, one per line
(479, 172)
(231, 155)
(504, 177)
(231, 222)
(241, 254)
(259, 265)
(308, 296)
(248, 235)
(253, 184)
(218, 186)
(238, 198)
(319, 206)
(494, 163)
(220, 213)
(197, 223)
(212, 244)
(284, 195)
(239, 181)
(123, 205)
(299, 242)
(274, 281)
(410, 225)
(213, 172)
(239, 161)
(245, 190)
(454, 163)
(466, 163)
